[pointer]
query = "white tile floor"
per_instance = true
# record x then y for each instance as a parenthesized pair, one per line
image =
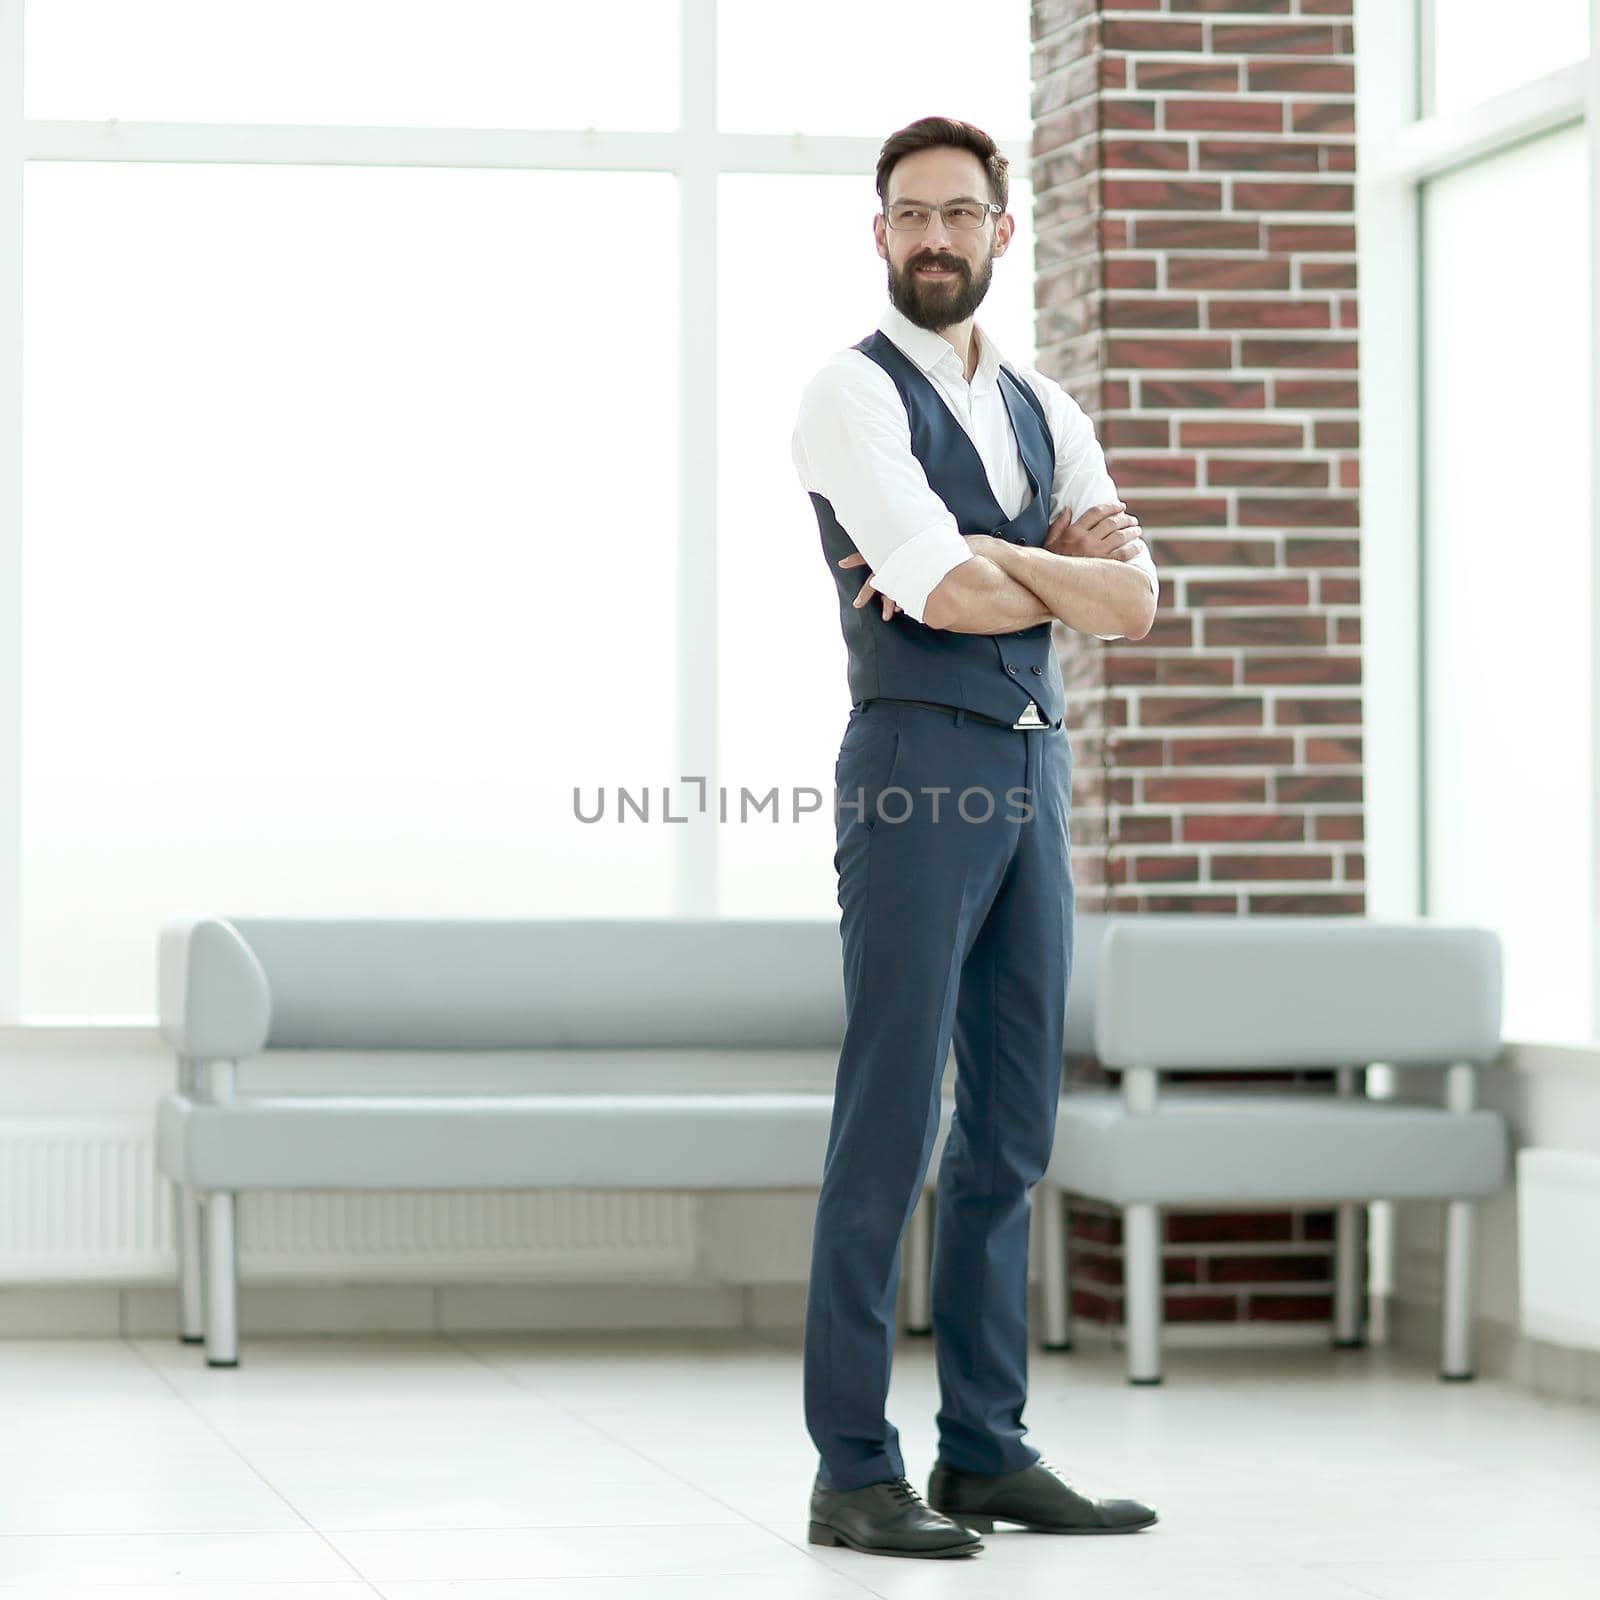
(604, 1466)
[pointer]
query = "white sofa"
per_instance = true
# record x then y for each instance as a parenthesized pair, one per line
(725, 1032)
(717, 1041)
(1178, 994)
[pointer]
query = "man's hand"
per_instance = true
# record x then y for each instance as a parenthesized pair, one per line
(856, 559)
(1103, 530)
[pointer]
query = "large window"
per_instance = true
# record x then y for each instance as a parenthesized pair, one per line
(404, 429)
(332, 587)
(824, 67)
(426, 63)
(1507, 434)
(1481, 48)
(1478, 462)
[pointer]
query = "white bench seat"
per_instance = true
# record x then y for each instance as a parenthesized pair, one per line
(716, 1042)
(1175, 994)
(626, 1140)
(1246, 1147)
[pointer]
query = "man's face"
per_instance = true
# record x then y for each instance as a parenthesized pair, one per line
(965, 255)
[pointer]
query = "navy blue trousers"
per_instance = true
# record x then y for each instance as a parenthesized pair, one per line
(954, 925)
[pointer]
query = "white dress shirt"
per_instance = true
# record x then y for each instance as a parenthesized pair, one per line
(852, 445)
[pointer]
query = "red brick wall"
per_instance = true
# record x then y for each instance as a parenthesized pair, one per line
(1227, 1267)
(1193, 169)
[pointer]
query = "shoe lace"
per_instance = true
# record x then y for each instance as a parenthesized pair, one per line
(902, 1488)
(1054, 1471)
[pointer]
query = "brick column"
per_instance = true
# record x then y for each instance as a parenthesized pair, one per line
(1193, 170)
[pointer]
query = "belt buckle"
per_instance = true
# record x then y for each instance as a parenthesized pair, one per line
(1030, 718)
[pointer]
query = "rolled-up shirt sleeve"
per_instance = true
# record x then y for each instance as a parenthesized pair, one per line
(1081, 477)
(852, 445)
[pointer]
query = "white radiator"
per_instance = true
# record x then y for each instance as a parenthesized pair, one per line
(1558, 1226)
(81, 1200)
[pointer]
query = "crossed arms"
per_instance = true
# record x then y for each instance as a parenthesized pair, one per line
(1005, 587)
(852, 445)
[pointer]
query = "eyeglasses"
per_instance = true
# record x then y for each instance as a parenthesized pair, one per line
(957, 214)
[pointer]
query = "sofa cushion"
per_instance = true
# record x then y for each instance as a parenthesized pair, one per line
(1242, 1147)
(448, 1141)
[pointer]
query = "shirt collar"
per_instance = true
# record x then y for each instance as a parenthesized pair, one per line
(928, 348)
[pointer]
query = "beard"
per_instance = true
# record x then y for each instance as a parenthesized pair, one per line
(938, 303)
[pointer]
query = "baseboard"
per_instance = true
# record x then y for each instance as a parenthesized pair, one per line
(1564, 1372)
(46, 1310)
(275, 1306)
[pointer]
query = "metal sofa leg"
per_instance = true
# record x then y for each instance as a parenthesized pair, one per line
(918, 1265)
(1055, 1276)
(1141, 1268)
(1349, 1258)
(221, 1281)
(1460, 1220)
(191, 1313)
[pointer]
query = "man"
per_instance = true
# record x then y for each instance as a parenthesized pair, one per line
(953, 480)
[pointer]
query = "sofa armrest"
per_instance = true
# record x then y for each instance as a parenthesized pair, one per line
(214, 999)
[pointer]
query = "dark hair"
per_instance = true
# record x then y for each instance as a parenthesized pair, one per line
(928, 133)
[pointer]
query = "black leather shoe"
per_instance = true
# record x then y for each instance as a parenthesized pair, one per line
(1038, 1497)
(887, 1518)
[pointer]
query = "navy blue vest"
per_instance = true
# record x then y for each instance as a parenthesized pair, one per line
(993, 673)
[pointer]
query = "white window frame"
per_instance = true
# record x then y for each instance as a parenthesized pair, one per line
(695, 152)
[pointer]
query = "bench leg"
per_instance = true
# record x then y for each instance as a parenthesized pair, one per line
(1055, 1275)
(918, 1265)
(1460, 1219)
(222, 1281)
(191, 1315)
(1349, 1258)
(1141, 1268)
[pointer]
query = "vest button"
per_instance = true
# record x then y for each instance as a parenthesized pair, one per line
(1011, 667)
(1038, 672)
(1017, 538)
